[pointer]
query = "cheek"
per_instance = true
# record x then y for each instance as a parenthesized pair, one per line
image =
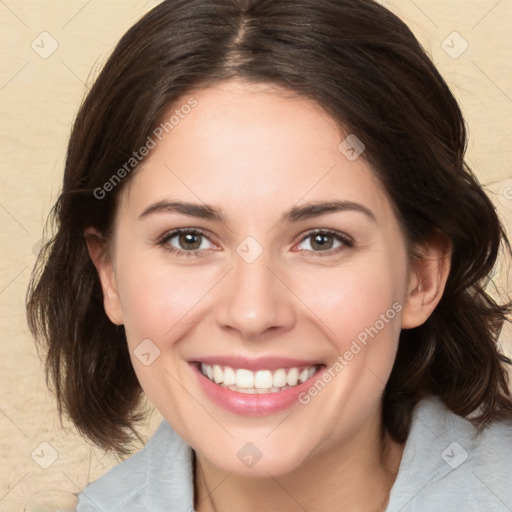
(354, 297)
(160, 306)
(157, 299)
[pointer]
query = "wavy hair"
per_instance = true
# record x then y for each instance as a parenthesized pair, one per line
(365, 68)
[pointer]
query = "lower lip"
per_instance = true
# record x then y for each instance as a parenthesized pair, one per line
(253, 404)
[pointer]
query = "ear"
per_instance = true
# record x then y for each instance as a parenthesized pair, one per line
(427, 280)
(96, 245)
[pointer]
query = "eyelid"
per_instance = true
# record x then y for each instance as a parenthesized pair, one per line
(168, 235)
(346, 240)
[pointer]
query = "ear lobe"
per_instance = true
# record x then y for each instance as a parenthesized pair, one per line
(96, 246)
(427, 281)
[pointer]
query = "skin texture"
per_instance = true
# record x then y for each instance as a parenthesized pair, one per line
(255, 152)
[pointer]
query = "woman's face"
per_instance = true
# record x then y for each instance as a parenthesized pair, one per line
(289, 261)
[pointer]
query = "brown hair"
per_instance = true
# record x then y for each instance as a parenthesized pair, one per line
(363, 65)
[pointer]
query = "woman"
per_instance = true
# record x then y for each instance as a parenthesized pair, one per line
(268, 227)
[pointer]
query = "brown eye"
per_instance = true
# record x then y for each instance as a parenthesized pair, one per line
(323, 241)
(186, 241)
(189, 241)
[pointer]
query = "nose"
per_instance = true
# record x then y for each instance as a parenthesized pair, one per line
(255, 301)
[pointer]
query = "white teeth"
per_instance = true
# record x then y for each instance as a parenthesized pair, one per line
(304, 375)
(259, 382)
(254, 391)
(209, 371)
(244, 379)
(229, 376)
(218, 374)
(279, 379)
(293, 377)
(263, 379)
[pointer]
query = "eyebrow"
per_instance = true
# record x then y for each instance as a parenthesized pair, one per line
(312, 210)
(294, 214)
(201, 211)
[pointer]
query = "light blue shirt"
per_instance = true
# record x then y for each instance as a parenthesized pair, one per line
(446, 467)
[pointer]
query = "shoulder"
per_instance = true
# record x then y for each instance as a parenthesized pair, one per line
(449, 465)
(490, 448)
(160, 473)
(123, 484)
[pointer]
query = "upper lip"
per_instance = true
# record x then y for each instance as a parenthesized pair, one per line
(254, 364)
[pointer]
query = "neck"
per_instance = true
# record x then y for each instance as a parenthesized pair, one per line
(355, 475)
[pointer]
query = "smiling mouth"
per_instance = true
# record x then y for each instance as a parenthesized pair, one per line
(246, 381)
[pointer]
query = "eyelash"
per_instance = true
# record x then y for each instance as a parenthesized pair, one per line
(164, 242)
(344, 239)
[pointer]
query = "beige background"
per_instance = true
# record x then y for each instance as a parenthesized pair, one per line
(38, 99)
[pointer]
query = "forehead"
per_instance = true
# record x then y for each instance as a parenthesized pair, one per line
(252, 148)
